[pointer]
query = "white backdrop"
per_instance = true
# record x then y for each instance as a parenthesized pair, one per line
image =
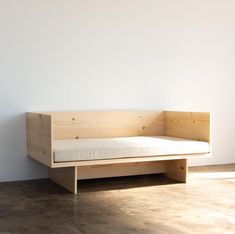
(112, 55)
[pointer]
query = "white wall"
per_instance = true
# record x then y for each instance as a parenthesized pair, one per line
(114, 54)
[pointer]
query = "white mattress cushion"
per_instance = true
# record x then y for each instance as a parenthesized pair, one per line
(125, 147)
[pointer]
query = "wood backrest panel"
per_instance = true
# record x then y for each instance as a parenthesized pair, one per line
(191, 125)
(70, 125)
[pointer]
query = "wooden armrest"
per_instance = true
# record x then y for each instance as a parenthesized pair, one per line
(191, 125)
(39, 137)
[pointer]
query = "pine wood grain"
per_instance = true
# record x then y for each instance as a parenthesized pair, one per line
(40, 138)
(70, 125)
(190, 125)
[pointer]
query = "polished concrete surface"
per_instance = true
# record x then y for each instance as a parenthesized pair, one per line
(141, 204)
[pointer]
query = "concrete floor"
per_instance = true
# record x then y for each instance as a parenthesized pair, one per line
(141, 204)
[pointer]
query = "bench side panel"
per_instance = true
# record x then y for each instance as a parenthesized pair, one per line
(39, 137)
(191, 125)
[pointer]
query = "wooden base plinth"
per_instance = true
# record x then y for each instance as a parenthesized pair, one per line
(67, 177)
(177, 170)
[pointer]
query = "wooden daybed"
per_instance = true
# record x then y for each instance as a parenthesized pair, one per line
(85, 145)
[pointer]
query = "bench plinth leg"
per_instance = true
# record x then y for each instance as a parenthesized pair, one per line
(66, 177)
(177, 170)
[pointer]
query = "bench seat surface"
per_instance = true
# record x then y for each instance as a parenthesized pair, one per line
(125, 147)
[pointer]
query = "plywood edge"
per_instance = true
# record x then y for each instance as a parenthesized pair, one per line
(38, 113)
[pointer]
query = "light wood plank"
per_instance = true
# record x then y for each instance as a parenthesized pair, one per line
(70, 125)
(66, 177)
(127, 169)
(190, 125)
(177, 170)
(128, 160)
(40, 137)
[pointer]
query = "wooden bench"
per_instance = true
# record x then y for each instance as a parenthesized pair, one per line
(44, 128)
